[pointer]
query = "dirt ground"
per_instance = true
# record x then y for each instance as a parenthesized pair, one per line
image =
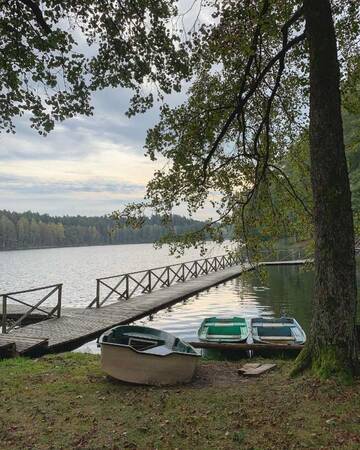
(67, 402)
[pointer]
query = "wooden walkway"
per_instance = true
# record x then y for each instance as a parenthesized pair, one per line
(78, 326)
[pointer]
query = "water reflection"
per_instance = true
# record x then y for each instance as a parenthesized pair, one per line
(283, 289)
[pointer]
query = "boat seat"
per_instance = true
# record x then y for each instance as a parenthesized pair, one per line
(260, 321)
(142, 344)
(224, 336)
(278, 338)
(161, 350)
(272, 325)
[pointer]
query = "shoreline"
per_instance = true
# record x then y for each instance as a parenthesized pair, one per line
(72, 246)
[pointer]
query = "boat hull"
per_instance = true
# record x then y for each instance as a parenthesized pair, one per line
(213, 329)
(224, 330)
(125, 364)
(224, 355)
(270, 332)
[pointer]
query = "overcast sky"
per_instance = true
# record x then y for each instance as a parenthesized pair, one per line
(88, 165)
(85, 166)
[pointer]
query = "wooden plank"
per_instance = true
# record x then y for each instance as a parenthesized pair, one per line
(7, 348)
(250, 366)
(22, 344)
(4, 338)
(228, 346)
(25, 346)
(255, 370)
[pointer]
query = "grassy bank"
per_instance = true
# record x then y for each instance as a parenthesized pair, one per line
(66, 402)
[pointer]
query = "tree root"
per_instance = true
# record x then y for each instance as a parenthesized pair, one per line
(302, 362)
(327, 362)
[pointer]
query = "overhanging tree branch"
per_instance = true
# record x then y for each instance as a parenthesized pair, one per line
(291, 189)
(38, 15)
(242, 102)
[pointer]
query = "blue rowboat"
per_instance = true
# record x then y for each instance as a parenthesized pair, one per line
(285, 330)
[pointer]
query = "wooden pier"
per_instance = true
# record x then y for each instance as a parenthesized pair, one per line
(68, 328)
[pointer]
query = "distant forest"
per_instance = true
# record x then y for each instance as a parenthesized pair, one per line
(33, 230)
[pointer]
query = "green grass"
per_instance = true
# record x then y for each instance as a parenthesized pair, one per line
(67, 402)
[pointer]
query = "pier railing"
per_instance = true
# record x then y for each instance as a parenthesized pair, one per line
(127, 285)
(55, 311)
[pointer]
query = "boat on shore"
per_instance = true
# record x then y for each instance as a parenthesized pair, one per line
(224, 331)
(284, 330)
(260, 336)
(217, 329)
(146, 355)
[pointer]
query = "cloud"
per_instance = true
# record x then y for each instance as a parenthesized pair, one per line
(91, 196)
(86, 165)
(30, 185)
(81, 136)
(59, 205)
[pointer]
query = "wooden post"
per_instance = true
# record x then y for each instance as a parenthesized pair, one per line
(149, 282)
(97, 293)
(183, 272)
(168, 275)
(59, 300)
(4, 314)
(127, 286)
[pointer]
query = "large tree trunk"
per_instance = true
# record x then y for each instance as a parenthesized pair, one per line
(332, 344)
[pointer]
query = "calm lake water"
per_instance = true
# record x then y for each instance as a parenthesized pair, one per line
(283, 289)
(279, 290)
(78, 267)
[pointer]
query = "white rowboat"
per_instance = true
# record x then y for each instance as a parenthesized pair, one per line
(145, 355)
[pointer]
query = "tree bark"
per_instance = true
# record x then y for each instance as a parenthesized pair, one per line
(332, 344)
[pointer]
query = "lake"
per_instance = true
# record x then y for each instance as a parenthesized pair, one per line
(78, 267)
(281, 289)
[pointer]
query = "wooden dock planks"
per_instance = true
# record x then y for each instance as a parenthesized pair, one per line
(20, 345)
(7, 348)
(77, 326)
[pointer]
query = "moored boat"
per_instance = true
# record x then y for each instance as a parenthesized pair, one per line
(224, 331)
(284, 330)
(217, 329)
(146, 355)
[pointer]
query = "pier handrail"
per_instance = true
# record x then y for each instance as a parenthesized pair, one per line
(54, 312)
(145, 281)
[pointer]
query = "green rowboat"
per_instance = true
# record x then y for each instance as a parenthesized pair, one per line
(215, 329)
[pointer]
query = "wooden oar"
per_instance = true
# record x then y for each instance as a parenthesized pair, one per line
(242, 346)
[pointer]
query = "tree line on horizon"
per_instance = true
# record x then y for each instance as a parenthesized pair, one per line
(34, 230)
